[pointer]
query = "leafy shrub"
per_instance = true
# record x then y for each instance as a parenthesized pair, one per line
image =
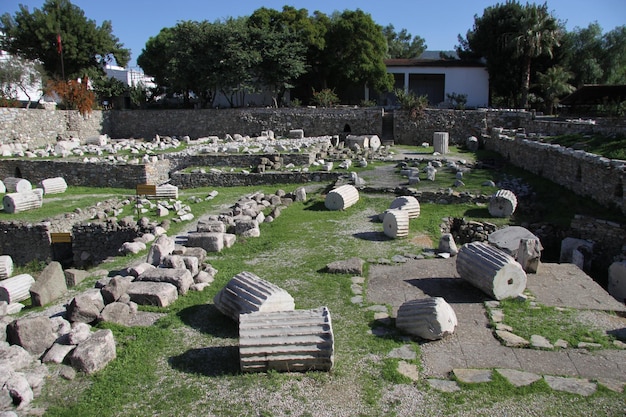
(367, 103)
(296, 102)
(411, 102)
(458, 101)
(75, 95)
(325, 98)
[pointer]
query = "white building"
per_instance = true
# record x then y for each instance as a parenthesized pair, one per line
(436, 78)
(130, 77)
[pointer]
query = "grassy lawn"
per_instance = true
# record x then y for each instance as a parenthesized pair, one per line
(609, 147)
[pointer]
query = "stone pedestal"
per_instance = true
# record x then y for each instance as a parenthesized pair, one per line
(289, 341)
(440, 142)
(491, 270)
(246, 293)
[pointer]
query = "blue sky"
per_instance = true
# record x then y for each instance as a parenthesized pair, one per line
(438, 22)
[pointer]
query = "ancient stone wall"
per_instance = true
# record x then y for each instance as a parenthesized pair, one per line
(26, 242)
(460, 124)
(227, 179)
(80, 173)
(38, 127)
(179, 162)
(94, 242)
(207, 122)
(585, 174)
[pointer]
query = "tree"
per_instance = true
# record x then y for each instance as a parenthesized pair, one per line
(538, 34)
(554, 84)
(486, 41)
(614, 61)
(109, 89)
(583, 49)
(19, 74)
(403, 44)
(354, 53)
(83, 49)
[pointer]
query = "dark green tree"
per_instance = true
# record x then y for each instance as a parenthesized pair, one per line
(614, 61)
(510, 37)
(402, 44)
(109, 89)
(538, 34)
(84, 47)
(355, 52)
(554, 84)
(583, 50)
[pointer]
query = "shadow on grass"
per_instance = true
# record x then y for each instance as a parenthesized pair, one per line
(372, 236)
(453, 290)
(206, 318)
(480, 213)
(316, 206)
(209, 361)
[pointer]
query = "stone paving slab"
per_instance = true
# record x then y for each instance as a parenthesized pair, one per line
(565, 285)
(473, 344)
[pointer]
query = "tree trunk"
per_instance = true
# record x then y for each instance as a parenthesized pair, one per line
(525, 82)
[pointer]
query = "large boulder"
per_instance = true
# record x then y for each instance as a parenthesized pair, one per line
(116, 287)
(14, 357)
(161, 247)
(179, 277)
(95, 353)
(85, 307)
(160, 294)
(35, 334)
(49, 286)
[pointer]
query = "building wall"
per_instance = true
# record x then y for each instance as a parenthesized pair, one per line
(473, 81)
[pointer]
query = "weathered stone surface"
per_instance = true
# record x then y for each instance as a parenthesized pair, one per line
(14, 357)
(540, 342)
(79, 333)
(94, 353)
(160, 294)
(85, 307)
(444, 385)
(529, 255)
(447, 244)
(16, 289)
(617, 281)
(116, 287)
(409, 370)
(508, 238)
(74, 276)
(396, 223)
(161, 247)
(352, 266)
(56, 185)
(405, 352)
(296, 340)
(196, 252)
(246, 293)
(502, 204)
(407, 203)
(491, 270)
(214, 226)
(132, 248)
(572, 385)
(139, 269)
(341, 197)
(181, 278)
(511, 340)
(440, 142)
(472, 376)
(118, 313)
(19, 389)
(247, 228)
(57, 353)
(518, 378)
(209, 241)
(34, 334)
(49, 286)
(18, 202)
(6, 266)
(430, 318)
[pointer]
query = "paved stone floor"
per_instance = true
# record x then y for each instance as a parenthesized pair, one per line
(473, 345)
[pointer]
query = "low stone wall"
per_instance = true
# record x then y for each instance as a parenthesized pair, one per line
(585, 174)
(227, 179)
(80, 173)
(26, 242)
(38, 127)
(207, 122)
(179, 162)
(460, 124)
(94, 242)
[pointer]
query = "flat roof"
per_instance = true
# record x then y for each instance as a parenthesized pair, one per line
(401, 62)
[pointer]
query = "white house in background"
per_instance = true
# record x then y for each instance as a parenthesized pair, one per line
(436, 78)
(130, 77)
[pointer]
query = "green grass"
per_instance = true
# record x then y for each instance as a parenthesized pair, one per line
(609, 147)
(553, 323)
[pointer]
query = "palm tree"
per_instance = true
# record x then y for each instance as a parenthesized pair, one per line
(554, 84)
(539, 33)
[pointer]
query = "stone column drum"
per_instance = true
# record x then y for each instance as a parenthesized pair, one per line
(407, 203)
(17, 185)
(341, 197)
(55, 185)
(440, 142)
(492, 271)
(18, 202)
(246, 293)
(6, 267)
(289, 341)
(16, 289)
(431, 318)
(396, 223)
(502, 204)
